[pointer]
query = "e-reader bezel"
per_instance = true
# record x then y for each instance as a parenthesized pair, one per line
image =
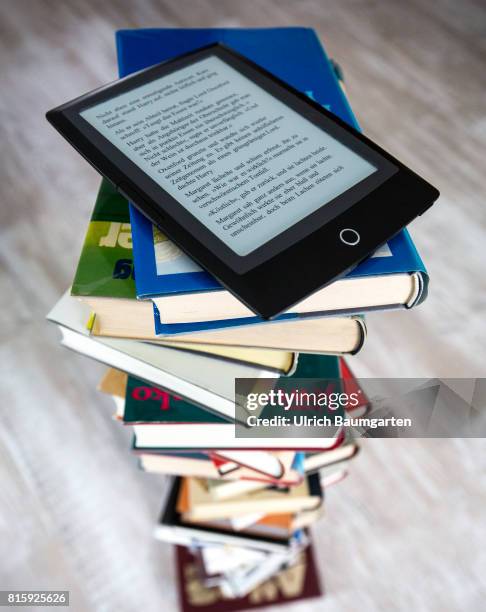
(245, 275)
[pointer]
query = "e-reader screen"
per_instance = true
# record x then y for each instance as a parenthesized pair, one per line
(240, 160)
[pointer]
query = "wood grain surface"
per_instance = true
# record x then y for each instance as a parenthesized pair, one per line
(407, 530)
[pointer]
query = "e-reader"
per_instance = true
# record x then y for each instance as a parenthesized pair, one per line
(268, 191)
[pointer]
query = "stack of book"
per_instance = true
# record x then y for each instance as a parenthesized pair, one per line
(176, 341)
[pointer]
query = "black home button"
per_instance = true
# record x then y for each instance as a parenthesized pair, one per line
(349, 236)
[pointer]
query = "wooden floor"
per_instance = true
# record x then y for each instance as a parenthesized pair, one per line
(407, 530)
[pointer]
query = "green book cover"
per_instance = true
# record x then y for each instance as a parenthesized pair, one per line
(105, 267)
(145, 403)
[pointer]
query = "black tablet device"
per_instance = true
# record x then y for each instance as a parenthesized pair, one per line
(264, 188)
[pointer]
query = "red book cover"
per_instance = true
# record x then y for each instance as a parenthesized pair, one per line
(301, 581)
(351, 385)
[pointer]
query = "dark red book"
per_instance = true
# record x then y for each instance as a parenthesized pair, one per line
(301, 581)
(351, 385)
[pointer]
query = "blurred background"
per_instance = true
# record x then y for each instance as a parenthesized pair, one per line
(406, 530)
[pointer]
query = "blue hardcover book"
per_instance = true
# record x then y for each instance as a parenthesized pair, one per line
(166, 275)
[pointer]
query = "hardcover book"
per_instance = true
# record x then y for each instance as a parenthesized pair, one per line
(213, 433)
(166, 275)
(105, 281)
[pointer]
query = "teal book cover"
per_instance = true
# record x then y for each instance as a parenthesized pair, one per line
(145, 403)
